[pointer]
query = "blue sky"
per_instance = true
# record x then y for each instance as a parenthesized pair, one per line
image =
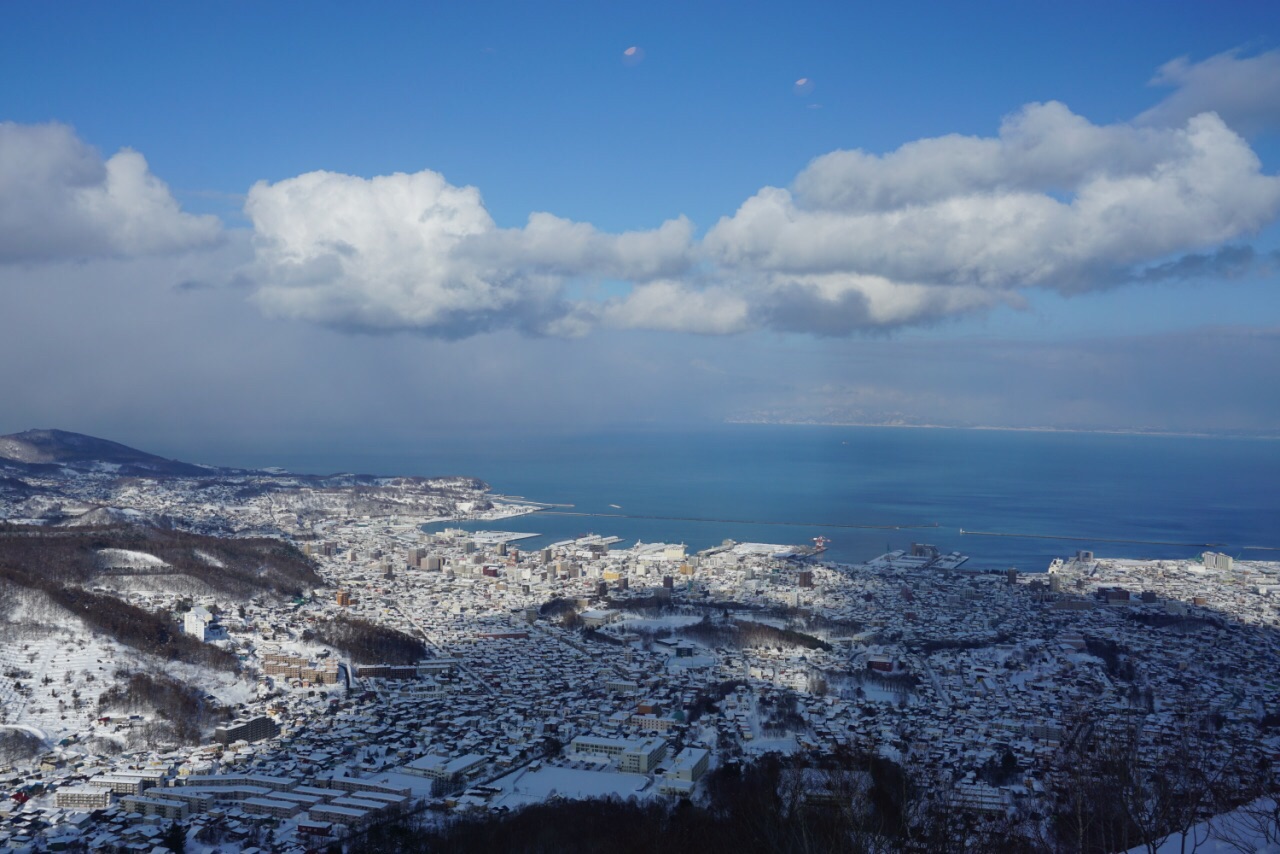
(537, 107)
(531, 102)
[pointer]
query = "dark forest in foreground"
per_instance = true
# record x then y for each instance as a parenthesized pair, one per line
(1104, 802)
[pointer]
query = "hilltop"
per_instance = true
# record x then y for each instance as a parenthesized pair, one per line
(42, 450)
(56, 477)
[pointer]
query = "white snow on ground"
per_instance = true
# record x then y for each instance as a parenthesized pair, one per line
(209, 559)
(419, 787)
(525, 787)
(26, 610)
(124, 558)
(227, 687)
(152, 585)
(673, 621)
(59, 662)
(73, 661)
(1236, 832)
(880, 694)
(493, 538)
(30, 730)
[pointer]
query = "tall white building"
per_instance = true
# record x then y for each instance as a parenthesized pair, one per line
(200, 623)
(1216, 560)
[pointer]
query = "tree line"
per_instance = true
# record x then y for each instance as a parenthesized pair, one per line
(749, 633)
(181, 705)
(369, 643)
(249, 566)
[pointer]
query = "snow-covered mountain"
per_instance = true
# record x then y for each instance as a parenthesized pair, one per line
(42, 448)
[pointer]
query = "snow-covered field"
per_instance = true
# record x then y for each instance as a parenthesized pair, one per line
(1247, 830)
(209, 559)
(673, 621)
(68, 669)
(524, 787)
(63, 667)
(125, 559)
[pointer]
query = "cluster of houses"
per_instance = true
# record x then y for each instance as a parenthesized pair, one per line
(600, 659)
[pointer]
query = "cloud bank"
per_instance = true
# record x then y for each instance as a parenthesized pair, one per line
(859, 241)
(60, 200)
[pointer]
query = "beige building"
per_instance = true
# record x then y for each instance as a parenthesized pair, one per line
(635, 755)
(161, 807)
(83, 798)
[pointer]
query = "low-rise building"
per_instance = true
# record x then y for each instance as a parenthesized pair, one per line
(636, 755)
(435, 767)
(162, 807)
(689, 764)
(83, 798)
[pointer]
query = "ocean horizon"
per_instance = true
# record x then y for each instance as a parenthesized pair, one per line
(868, 489)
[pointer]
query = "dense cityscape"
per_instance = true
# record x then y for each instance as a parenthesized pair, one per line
(452, 676)
(683, 426)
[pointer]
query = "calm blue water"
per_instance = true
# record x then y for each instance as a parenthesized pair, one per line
(1099, 487)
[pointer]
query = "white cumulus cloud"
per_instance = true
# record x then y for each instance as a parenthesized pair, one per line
(946, 225)
(60, 200)
(413, 252)
(938, 228)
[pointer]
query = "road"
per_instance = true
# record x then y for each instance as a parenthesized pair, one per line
(443, 653)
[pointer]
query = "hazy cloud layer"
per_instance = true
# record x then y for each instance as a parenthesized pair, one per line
(59, 199)
(1243, 90)
(216, 373)
(1195, 380)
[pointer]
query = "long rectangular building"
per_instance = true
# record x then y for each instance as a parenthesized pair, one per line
(162, 807)
(635, 755)
(278, 783)
(252, 729)
(274, 807)
(83, 798)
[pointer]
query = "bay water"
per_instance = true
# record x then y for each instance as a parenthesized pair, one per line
(871, 489)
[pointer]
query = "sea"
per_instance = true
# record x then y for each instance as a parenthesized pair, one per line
(1005, 498)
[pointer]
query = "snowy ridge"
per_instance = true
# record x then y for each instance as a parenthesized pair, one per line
(124, 558)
